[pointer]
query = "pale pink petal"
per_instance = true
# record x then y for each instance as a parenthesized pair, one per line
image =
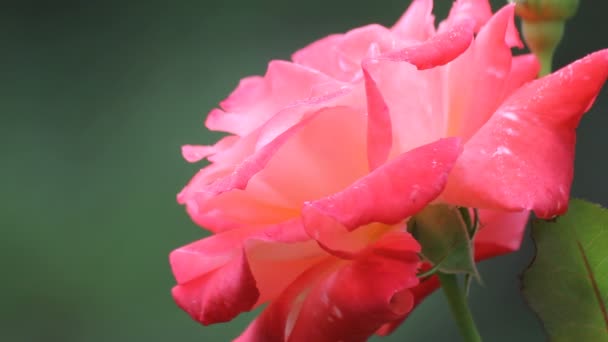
(415, 106)
(340, 56)
(413, 96)
(417, 23)
(500, 232)
(324, 156)
(224, 165)
(522, 158)
(389, 194)
(237, 208)
(257, 99)
(195, 153)
(275, 264)
(228, 172)
(220, 295)
(203, 188)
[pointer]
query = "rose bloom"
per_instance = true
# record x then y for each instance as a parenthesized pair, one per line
(327, 157)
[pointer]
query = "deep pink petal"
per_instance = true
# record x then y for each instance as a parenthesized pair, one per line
(438, 50)
(336, 301)
(524, 68)
(425, 288)
(387, 195)
(479, 11)
(476, 80)
(522, 158)
(204, 256)
(354, 301)
(277, 320)
(220, 295)
(501, 232)
(417, 23)
(240, 263)
(512, 38)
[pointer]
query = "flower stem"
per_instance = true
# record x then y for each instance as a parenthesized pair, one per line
(542, 38)
(458, 306)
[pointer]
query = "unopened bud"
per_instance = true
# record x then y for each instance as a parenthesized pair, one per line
(545, 10)
(543, 23)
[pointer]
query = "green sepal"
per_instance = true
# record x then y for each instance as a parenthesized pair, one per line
(444, 236)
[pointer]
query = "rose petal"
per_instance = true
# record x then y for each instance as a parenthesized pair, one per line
(201, 257)
(353, 302)
(319, 159)
(204, 256)
(425, 288)
(438, 50)
(335, 301)
(478, 10)
(387, 195)
(257, 99)
(524, 68)
(219, 296)
(195, 153)
(340, 56)
(247, 259)
(417, 23)
(277, 320)
(416, 111)
(476, 80)
(379, 129)
(209, 182)
(501, 232)
(522, 158)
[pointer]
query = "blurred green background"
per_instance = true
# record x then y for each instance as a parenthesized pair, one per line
(96, 99)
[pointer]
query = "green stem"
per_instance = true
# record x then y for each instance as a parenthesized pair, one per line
(546, 64)
(542, 38)
(458, 306)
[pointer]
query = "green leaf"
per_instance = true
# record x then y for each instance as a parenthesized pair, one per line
(443, 235)
(567, 283)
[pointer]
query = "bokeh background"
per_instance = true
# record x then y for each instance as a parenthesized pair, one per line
(96, 99)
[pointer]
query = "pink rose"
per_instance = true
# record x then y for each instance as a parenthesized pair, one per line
(329, 155)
